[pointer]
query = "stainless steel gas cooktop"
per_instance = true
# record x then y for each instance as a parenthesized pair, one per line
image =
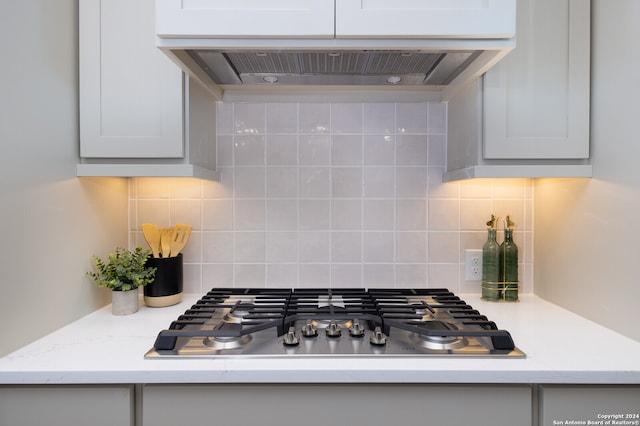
(273, 323)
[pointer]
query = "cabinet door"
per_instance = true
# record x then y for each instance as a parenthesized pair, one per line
(536, 100)
(420, 18)
(245, 18)
(66, 405)
(130, 92)
(589, 405)
(339, 404)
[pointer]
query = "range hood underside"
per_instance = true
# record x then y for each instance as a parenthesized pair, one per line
(432, 70)
(333, 67)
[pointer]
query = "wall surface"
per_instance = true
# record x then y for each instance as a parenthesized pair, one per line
(332, 195)
(51, 221)
(587, 231)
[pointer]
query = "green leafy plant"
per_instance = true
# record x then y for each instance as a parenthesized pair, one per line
(125, 270)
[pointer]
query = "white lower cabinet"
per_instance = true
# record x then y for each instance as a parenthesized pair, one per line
(589, 405)
(337, 404)
(319, 404)
(95, 405)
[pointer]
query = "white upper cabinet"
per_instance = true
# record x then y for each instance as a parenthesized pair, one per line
(425, 18)
(336, 18)
(139, 116)
(529, 115)
(245, 18)
(130, 92)
(537, 98)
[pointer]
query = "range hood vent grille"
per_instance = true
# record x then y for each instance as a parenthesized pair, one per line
(333, 67)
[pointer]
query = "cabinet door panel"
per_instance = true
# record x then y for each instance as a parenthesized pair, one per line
(246, 18)
(589, 404)
(418, 18)
(536, 99)
(340, 404)
(130, 92)
(66, 405)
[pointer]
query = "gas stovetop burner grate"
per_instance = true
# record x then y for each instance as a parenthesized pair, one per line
(230, 321)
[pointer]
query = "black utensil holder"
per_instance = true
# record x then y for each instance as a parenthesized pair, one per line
(166, 289)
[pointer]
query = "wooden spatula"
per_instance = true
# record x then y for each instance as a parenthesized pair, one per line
(152, 235)
(179, 237)
(165, 242)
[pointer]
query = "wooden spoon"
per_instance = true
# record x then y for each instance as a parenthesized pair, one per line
(165, 242)
(152, 235)
(179, 237)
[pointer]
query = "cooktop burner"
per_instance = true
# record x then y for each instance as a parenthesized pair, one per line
(232, 322)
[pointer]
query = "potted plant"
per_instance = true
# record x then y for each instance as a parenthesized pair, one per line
(123, 273)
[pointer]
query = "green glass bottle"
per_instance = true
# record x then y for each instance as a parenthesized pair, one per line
(491, 264)
(509, 264)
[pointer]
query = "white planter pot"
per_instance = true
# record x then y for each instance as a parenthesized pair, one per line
(124, 302)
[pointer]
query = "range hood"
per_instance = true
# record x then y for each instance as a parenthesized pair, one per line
(435, 64)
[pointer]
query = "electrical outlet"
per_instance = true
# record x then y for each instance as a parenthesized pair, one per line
(473, 265)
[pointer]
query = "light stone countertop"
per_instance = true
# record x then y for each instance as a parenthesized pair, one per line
(101, 348)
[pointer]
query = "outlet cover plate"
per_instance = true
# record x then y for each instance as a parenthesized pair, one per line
(473, 265)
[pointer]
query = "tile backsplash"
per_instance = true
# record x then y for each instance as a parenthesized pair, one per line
(332, 195)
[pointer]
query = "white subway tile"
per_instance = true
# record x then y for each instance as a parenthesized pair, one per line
(346, 118)
(314, 182)
(282, 275)
(346, 214)
(411, 275)
(379, 150)
(379, 215)
(314, 150)
(249, 275)
(411, 214)
(314, 275)
(282, 117)
(217, 215)
(411, 118)
(249, 118)
(282, 215)
(346, 247)
(332, 195)
(249, 246)
(281, 247)
(314, 246)
(249, 215)
(249, 182)
(378, 246)
(411, 150)
(282, 150)
(411, 247)
(346, 275)
(282, 182)
(379, 182)
(379, 275)
(217, 275)
(411, 182)
(379, 118)
(346, 150)
(217, 247)
(249, 150)
(314, 214)
(346, 182)
(444, 215)
(315, 118)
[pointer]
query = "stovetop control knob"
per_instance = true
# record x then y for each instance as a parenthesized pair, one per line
(333, 330)
(378, 338)
(290, 338)
(356, 330)
(309, 330)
